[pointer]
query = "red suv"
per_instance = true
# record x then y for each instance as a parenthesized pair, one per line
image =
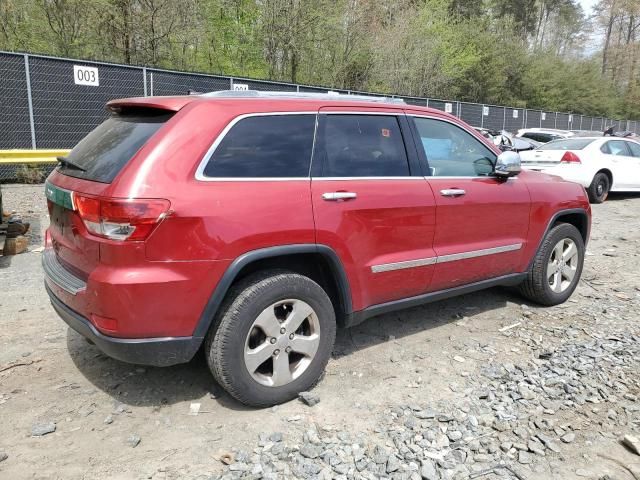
(254, 224)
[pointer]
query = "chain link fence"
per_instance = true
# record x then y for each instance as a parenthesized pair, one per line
(48, 102)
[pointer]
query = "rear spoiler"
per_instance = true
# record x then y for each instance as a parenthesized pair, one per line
(166, 104)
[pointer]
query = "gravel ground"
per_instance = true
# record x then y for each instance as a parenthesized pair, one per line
(482, 386)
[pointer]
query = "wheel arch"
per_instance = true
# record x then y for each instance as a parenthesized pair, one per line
(319, 262)
(609, 175)
(577, 217)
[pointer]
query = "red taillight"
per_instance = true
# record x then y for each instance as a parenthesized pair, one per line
(125, 219)
(570, 157)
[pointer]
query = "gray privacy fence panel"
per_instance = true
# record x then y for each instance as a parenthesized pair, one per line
(62, 110)
(163, 82)
(439, 104)
(562, 121)
(267, 86)
(15, 128)
(495, 119)
(422, 102)
(65, 112)
(533, 119)
(513, 120)
(471, 113)
(548, 119)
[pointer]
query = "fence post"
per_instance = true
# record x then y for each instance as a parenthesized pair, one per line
(151, 83)
(230, 83)
(482, 117)
(144, 79)
(30, 100)
(555, 121)
(504, 118)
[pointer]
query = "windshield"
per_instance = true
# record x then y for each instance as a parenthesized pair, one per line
(106, 150)
(567, 144)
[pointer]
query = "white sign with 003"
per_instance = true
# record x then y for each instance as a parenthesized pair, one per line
(485, 111)
(515, 114)
(86, 76)
(240, 86)
(448, 107)
(543, 116)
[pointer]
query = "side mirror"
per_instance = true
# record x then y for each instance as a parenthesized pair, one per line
(507, 165)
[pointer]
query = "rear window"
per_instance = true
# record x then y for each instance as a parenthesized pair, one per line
(266, 146)
(540, 137)
(567, 144)
(108, 148)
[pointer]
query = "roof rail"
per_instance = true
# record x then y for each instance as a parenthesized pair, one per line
(330, 95)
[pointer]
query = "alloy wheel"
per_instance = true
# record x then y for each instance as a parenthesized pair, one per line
(562, 265)
(282, 342)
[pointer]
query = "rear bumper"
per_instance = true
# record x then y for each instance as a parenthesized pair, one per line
(159, 352)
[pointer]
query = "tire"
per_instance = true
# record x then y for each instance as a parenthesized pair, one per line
(253, 316)
(541, 285)
(598, 191)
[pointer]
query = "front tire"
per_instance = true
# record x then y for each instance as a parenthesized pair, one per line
(272, 339)
(556, 268)
(598, 191)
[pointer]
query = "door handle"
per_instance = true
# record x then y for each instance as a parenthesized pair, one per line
(452, 192)
(338, 196)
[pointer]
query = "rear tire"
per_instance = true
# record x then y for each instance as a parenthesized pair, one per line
(556, 268)
(272, 339)
(599, 189)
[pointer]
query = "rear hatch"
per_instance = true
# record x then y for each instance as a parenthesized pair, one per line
(553, 153)
(85, 175)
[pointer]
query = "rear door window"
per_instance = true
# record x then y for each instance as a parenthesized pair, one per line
(616, 147)
(635, 148)
(103, 153)
(266, 146)
(362, 146)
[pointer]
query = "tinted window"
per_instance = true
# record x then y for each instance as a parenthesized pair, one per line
(453, 152)
(363, 146)
(615, 147)
(567, 144)
(635, 148)
(108, 148)
(540, 137)
(265, 146)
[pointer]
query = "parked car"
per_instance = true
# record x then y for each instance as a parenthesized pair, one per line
(599, 164)
(505, 141)
(253, 224)
(543, 135)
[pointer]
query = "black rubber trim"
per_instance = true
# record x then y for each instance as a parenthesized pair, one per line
(570, 211)
(242, 261)
(158, 352)
(375, 310)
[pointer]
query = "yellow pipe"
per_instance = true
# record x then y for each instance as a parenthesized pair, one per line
(11, 157)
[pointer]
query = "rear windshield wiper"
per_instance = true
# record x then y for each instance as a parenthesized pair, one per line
(69, 164)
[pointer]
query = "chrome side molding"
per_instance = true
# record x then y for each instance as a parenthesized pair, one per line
(421, 262)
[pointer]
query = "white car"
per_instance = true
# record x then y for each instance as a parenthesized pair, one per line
(600, 164)
(543, 135)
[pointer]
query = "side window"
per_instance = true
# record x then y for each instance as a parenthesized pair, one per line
(635, 148)
(363, 146)
(453, 152)
(615, 147)
(265, 146)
